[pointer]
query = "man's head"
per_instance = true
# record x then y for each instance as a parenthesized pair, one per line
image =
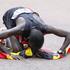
(36, 40)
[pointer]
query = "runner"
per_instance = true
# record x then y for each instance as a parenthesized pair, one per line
(26, 25)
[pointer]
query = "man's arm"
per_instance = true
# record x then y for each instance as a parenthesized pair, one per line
(61, 33)
(10, 32)
(53, 30)
(20, 22)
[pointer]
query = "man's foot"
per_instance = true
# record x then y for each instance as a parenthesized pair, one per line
(61, 52)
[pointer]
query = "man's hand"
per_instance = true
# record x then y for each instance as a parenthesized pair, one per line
(2, 41)
(65, 44)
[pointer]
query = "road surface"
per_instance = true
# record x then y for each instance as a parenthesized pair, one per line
(55, 13)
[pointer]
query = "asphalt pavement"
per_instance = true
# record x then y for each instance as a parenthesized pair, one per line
(55, 13)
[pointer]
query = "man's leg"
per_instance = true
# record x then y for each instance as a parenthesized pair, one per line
(14, 44)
